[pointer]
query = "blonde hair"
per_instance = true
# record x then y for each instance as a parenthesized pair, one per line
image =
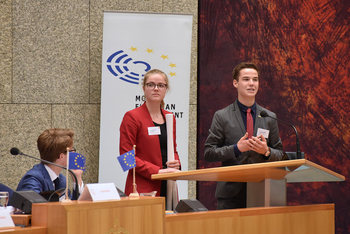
(156, 71)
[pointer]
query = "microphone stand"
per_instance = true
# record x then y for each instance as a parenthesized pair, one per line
(76, 191)
(264, 114)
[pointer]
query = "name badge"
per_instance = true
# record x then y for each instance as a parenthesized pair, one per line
(263, 132)
(153, 131)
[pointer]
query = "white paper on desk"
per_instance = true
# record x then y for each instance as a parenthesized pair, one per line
(99, 192)
(172, 193)
(5, 218)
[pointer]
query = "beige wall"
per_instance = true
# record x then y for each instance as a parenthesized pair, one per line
(50, 76)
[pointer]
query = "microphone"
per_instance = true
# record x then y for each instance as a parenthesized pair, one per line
(264, 114)
(16, 151)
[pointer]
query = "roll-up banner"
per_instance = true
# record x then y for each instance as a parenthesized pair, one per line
(134, 43)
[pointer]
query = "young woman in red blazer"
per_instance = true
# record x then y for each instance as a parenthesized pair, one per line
(145, 127)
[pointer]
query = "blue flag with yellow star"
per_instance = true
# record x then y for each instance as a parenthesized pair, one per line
(127, 160)
(76, 161)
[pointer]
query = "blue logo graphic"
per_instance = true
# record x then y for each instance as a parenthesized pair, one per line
(121, 65)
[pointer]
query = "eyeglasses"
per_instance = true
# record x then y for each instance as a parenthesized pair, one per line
(72, 150)
(153, 86)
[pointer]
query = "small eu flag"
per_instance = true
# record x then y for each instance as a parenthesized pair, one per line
(76, 161)
(127, 160)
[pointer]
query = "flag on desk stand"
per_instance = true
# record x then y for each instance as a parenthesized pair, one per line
(172, 196)
(67, 199)
(128, 161)
(76, 161)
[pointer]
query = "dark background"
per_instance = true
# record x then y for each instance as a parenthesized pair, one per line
(302, 50)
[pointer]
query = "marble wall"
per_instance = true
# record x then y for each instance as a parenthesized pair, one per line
(50, 76)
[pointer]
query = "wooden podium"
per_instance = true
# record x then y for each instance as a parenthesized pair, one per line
(268, 213)
(266, 181)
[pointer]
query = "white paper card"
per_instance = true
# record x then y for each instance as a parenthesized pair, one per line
(172, 191)
(263, 132)
(99, 192)
(153, 131)
(5, 218)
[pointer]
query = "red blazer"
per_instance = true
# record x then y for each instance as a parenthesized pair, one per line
(134, 131)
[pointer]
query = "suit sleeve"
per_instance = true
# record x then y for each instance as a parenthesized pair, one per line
(128, 138)
(128, 133)
(215, 149)
(30, 182)
(275, 142)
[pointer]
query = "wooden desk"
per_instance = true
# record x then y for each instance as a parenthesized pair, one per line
(25, 230)
(22, 219)
(147, 215)
(263, 220)
(144, 215)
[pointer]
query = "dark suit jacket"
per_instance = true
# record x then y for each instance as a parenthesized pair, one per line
(226, 130)
(38, 180)
(134, 131)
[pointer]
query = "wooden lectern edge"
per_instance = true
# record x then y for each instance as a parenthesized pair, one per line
(325, 170)
(274, 164)
(296, 162)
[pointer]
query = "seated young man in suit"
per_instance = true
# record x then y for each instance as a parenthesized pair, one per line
(52, 145)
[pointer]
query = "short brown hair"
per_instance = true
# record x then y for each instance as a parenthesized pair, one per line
(239, 67)
(156, 71)
(52, 142)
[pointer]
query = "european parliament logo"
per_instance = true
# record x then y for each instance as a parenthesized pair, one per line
(121, 65)
(76, 161)
(127, 160)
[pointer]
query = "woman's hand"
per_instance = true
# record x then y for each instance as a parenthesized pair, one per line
(173, 164)
(167, 170)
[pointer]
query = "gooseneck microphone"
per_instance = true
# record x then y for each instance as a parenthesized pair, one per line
(264, 114)
(16, 151)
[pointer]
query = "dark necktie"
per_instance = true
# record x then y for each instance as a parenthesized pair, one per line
(57, 183)
(250, 124)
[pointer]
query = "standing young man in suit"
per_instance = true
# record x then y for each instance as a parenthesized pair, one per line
(239, 136)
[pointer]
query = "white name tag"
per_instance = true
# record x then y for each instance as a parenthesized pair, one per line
(99, 192)
(153, 131)
(5, 218)
(263, 132)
